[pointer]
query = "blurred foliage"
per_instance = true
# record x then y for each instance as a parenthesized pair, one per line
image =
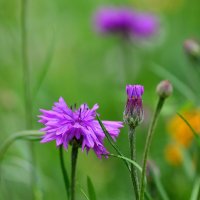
(86, 67)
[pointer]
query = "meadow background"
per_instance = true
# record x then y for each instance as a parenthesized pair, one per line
(84, 66)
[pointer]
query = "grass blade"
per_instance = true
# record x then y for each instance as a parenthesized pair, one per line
(160, 187)
(91, 190)
(85, 195)
(64, 172)
(197, 137)
(44, 68)
(196, 189)
(127, 159)
(111, 141)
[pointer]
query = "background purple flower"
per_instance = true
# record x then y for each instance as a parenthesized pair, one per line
(65, 125)
(126, 22)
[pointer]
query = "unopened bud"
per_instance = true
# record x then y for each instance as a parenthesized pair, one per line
(164, 89)
(192, 48)
(134, 113)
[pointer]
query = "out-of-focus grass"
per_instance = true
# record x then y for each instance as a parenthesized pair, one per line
(85, 68)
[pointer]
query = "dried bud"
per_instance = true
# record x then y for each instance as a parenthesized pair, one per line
(134, 114)
(164, 89)
(152, 168)
(192, 48)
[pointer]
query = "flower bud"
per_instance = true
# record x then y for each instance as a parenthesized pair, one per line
(192, 48)
(134, 113)
(164, 89)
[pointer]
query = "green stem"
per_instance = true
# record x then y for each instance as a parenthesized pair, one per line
(148, 143)
(27, 90)
(134, 175)
(74, 156)
(64, 172)
(25, 65)
(29, 134)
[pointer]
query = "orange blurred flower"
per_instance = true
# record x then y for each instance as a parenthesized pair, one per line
(180, 131)
(173, 154)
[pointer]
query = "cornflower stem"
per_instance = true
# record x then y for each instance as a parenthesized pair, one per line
(74, 156)
(64, 172)
(27, 90)
(148, 144)
(134, 175)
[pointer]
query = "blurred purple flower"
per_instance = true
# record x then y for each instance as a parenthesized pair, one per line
(134, 113)
(65, 126)
(125, 22)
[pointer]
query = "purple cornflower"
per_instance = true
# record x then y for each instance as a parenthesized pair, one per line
(125, 22)
(134, 113)
(66, 126)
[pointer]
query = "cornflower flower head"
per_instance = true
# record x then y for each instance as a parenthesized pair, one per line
(125, 22)
(134, 113)
(77, 126)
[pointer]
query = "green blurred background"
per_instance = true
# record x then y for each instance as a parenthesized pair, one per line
(84, 66)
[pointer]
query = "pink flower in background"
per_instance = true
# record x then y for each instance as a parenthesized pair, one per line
(126, 22)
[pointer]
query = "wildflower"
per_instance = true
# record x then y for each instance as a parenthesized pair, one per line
(134, 114)
(173, 154)
(164, 89)
(125, 22)
(78, 126)
(179, 130)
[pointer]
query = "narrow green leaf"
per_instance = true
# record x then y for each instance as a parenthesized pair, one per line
(188, 164)
(196, 189)
(127, 159)
(180, 85)
(85, 195)
(64, 172)
(45, 67)
(196, 136)
(25, 135)
(160, 187)
(91, 190)
(147, 195)
(111, 141)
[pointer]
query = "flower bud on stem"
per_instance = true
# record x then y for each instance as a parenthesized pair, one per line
(164, 89)
(133, 116)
